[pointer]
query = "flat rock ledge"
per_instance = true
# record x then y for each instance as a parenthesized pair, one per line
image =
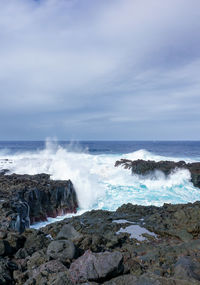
(103, 247)
(26, 199)
(145, 167)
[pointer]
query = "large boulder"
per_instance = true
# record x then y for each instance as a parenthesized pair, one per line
(68, 232)
(61, 249)
(96, 266)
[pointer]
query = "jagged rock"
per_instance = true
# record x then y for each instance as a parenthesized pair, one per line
(61, 249)
(53, 266)
(38, 258)
(5, 273)
(60, 278)
(27, 199)
(143, 167)
(4, 248)
(96, 266)
(35, 241)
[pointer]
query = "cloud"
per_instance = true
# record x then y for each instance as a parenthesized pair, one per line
(99, 69)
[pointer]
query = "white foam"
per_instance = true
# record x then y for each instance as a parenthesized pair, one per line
(98, 183)
(53, 220)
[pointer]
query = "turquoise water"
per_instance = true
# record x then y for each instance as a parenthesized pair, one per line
(100, 185)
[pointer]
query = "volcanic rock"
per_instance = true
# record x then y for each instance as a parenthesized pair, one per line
(96, 266)
(68, 232)
(61, 249)
(143, 167)
(26, 199)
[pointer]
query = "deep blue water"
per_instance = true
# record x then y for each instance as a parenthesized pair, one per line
(188, 149)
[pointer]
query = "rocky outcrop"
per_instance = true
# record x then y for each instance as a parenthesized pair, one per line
(143, 167)
(102, 247)
(132, 245)
(25, 199)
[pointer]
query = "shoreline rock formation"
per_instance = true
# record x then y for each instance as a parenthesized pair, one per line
(93, 248)
(145, 167)
(26, 199)
(135, 244)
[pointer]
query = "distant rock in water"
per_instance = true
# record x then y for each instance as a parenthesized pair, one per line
(143, 167)
(26, 199)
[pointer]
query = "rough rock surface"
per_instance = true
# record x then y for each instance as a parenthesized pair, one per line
(101, 254)
(144, 167)
(99, 248)
(96, 266)
(61, 250)
(25, 199)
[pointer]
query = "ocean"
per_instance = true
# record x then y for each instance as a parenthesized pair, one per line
(90, 166)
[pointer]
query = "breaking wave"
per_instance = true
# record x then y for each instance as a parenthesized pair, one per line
(100, 185)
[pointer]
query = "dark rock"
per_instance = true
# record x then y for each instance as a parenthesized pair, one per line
(123, 280)
(96, 266)
(21, 253)
(5, 248)
(36, 260)
(27, 199)
(186, 269)
(61, 278)
(147, 279)
(5, 273)
(35, 241)
(53, 266)
(61, 249)
(143, 167)
(68, 232)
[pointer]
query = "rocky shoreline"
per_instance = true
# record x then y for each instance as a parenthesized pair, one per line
(141, 245)
(26, 199)
(133, 245)
(146, 167)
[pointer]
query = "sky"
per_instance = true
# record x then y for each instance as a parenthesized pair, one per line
(100, 70)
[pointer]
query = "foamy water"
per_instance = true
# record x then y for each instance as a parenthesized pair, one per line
(100, 185)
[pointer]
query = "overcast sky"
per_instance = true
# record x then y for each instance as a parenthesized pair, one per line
(100, 69)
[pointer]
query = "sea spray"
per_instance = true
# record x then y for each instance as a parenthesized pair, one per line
(100, 185)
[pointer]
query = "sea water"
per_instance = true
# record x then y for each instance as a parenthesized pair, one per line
(98, 183)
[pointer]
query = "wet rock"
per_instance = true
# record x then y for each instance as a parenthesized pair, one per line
(61, 249)
(27, 199)
(143, 167)
(96, 266)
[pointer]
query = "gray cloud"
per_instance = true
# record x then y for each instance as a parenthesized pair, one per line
(118, 69)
